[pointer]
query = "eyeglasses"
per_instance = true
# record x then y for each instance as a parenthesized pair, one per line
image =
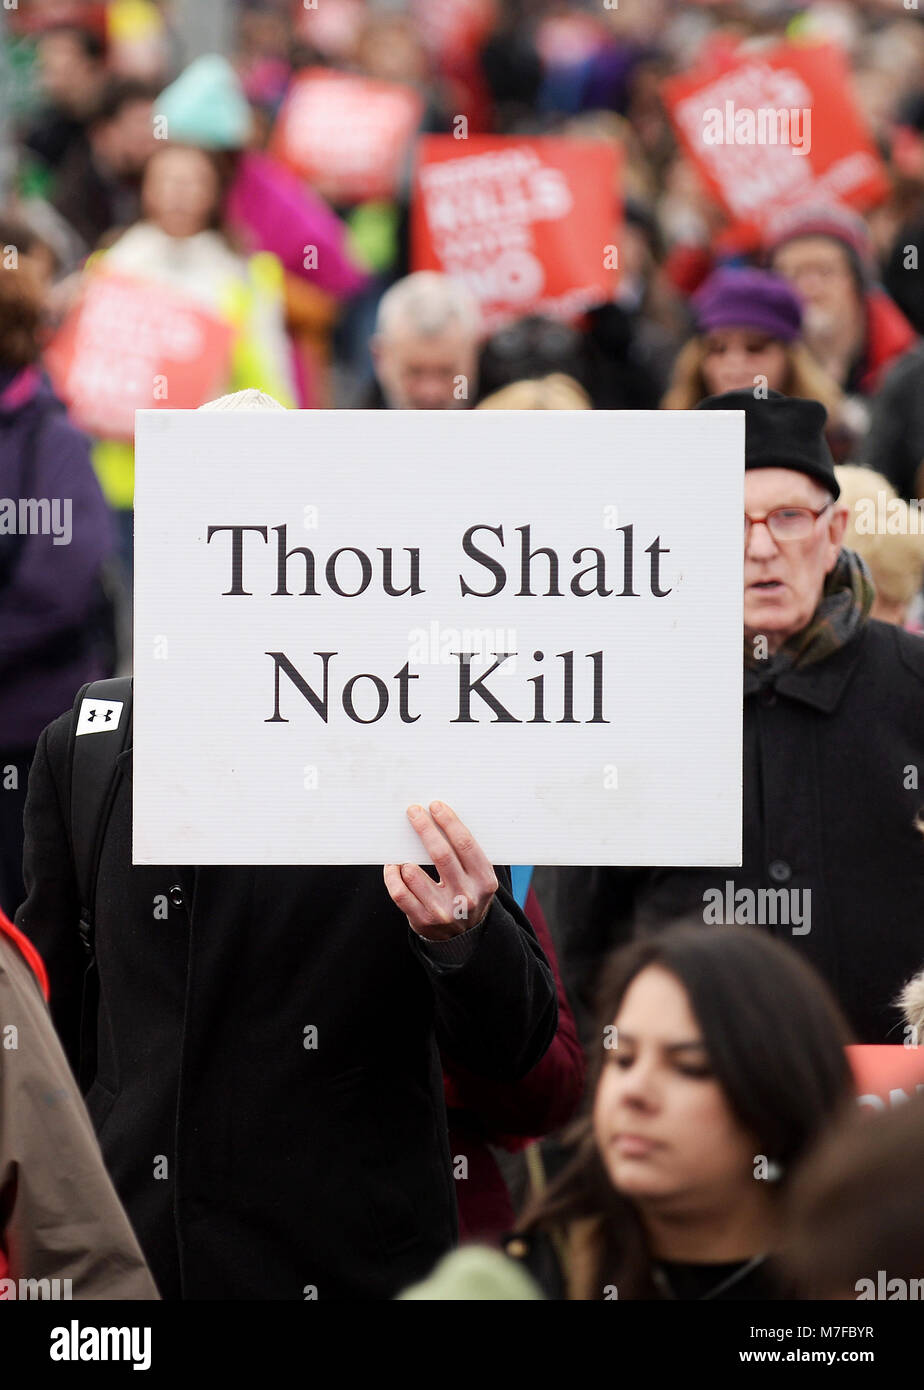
(787, 523)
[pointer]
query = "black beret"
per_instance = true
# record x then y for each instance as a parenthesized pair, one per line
(782, 432)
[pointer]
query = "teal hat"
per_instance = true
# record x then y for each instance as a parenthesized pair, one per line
(206, 106)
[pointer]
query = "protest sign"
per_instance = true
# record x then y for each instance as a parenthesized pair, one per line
(534, 617)
(530, 225)
(132, 345)
(772, 128)
(886, 1074)
(351, 136)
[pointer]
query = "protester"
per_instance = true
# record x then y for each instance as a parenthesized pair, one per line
(702, 1109)
(72, 72)
(233, 1039)
(855, 1223)
(182, 245)
(53, 610)
(889, 537)
(748, 337)
(61, 1222)
(852, 327)
(425, 344)
(98, 186)
(268, 208)
(830, 791)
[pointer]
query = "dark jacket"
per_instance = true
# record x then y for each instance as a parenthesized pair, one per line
(92, 200)
(895, 443)
(47, 590)
(254, 1157)
(833, 781)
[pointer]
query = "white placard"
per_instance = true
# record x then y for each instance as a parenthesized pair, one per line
(242, 754)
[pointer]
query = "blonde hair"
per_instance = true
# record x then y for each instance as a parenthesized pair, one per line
(895, 557)
(555, 392)
(251, 399)
(804, 377)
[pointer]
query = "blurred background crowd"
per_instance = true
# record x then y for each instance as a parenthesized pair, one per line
(169, 144)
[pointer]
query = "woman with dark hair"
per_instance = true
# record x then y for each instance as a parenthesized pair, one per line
(720, 1061)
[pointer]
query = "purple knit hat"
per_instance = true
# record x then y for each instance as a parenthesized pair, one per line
(755, 299)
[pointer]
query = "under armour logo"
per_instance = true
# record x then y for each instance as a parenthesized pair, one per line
(98, 715)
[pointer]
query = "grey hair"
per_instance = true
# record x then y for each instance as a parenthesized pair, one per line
(429, 303)
(251, 399)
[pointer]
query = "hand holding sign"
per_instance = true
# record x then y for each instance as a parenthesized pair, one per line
(467, 884)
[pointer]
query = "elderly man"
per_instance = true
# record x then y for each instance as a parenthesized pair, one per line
(833, 754)
(851, 325)
(425, 348)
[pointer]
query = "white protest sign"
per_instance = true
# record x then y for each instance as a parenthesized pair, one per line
(535, 617)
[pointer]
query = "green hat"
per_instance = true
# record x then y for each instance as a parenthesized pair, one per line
(206, 106)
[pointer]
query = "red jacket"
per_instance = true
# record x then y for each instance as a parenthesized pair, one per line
(511, 1114)
(888, 335)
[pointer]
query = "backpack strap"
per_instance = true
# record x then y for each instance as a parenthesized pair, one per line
(101, 730)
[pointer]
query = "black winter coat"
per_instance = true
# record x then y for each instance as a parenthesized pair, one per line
(252, 1163)
(833, 782)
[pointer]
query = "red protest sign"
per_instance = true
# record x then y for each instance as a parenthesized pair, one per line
(886, 1074)
(133, 345)
(349, 135)
(528, 224)
(777, 127)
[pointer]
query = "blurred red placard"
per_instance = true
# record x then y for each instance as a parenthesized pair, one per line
(530, 225)
(777, 127)
(132, 345)
(350, 136)
(886, 1074)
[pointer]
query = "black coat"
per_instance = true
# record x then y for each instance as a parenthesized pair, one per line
(833, 781)
(250, 1164)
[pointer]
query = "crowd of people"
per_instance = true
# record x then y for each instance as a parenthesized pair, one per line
(604, 1082)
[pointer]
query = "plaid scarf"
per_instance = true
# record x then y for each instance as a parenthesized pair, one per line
(844, 608)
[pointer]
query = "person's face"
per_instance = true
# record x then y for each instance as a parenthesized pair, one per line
(662, 1124)
(127, 142)
(819, 269)
(783, 581)
(180, 190)
(426, 371)
(735, 357)
(68, 77)
(391, 51)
